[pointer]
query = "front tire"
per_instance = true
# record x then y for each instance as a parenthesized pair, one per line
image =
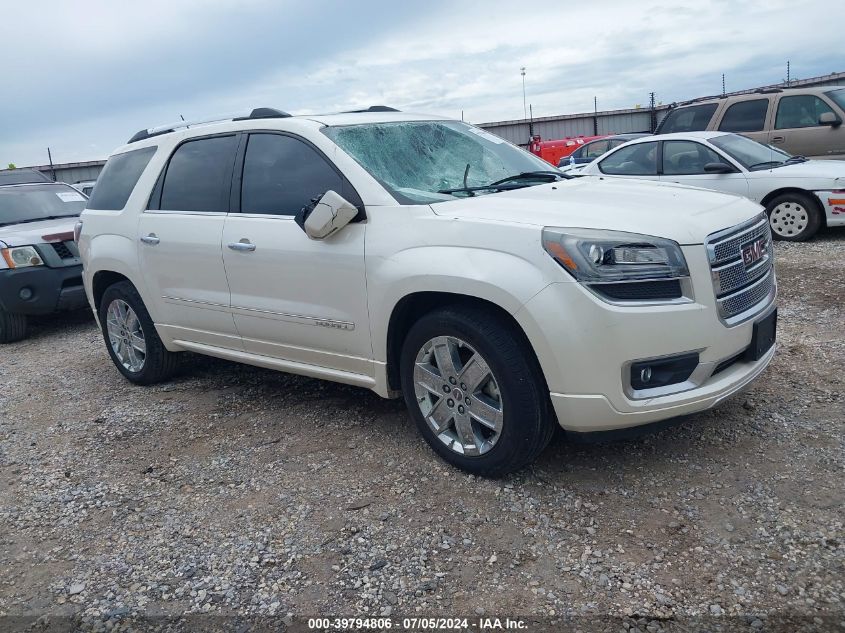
(475, 390)
(131, 338)
(12, 327)
(793, 217)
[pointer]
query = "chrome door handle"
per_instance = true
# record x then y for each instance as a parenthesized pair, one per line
(244, 246)
(150, 239)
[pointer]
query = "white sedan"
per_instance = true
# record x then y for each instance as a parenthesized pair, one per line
(800, 195)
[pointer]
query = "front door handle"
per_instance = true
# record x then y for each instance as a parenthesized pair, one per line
(244, 246)
(151, 239)
(778, 139)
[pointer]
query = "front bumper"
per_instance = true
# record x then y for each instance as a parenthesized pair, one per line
(584, 346)
(833, 204)
(52, 289)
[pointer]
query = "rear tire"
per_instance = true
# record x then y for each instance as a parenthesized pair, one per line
(496, 416)
(132, 342)
(793, 217)
(12, 327)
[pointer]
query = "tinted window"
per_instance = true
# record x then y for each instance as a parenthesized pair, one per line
(689, 119)
(745, 116)
(800, 111)
(687, 157)
(282, 174)
(30, 203)
(119, 177)
(838, 97)
(199, 176)
(633, 160)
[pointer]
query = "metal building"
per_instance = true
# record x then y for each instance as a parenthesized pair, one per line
(617, 121)
(70, 172)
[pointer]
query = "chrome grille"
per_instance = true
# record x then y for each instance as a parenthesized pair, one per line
(741, 292)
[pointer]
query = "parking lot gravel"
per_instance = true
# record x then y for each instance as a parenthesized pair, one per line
(238, 491)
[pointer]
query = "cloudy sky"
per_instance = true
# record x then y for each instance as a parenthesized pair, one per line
(81, 77)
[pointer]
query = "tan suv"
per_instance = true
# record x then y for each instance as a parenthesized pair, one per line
(803, 121)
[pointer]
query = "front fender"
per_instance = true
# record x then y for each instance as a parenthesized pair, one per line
(110, 253)
(501, 278)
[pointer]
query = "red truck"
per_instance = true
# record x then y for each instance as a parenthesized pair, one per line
(553, 151)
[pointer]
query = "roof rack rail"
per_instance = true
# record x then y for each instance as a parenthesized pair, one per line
(375, 108)
(767, 91)
(257, 113)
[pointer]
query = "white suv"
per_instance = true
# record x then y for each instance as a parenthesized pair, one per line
(422, 256)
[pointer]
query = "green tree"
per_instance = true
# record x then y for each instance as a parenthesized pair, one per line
(12, 166)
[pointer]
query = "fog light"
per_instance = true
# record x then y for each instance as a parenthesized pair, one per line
(649, 374)
(25, 294)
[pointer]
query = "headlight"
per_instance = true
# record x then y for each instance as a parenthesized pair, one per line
(598, 256)
(624, 268)
(22, 257)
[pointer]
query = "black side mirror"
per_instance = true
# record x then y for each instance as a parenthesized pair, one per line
(829, 118)
(718, 168)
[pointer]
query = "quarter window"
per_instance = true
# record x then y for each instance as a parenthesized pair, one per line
(687, 157)
(119, 177)
(745, 116)
(199, 176)
(634, 160)
(283, 174)
(800, 111)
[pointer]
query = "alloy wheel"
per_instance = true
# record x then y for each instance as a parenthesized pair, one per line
(126, 336)
(458, 395)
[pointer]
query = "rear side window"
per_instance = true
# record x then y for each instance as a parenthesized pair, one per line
(745, 116)
(199, 176)
(633, 160)
(800, 111)
(119, 177)
(282, 174)
(689, 119)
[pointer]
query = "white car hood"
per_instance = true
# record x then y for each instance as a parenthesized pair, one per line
(684, 214)
(34, 232)
(811, 169)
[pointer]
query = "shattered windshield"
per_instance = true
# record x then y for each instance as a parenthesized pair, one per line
(417, 160)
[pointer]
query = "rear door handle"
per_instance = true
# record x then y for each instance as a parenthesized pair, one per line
(778, 139)
(244, 246)
(151, 239)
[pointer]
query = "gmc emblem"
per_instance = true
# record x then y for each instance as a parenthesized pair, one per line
(753, 252)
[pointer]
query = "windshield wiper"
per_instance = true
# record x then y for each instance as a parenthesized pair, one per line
(773, 163)
(531, 175)
(796, 159)
(502, 185)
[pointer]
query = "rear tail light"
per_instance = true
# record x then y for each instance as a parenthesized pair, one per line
(77, 230)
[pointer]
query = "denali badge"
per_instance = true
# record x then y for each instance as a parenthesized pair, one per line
(753, 252)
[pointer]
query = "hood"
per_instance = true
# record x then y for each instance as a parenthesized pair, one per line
(684, 214)
(34, 232)
(812, 169)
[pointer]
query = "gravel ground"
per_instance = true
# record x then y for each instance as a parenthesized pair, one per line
(243, 492)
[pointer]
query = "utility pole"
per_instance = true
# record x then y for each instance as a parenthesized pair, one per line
(787, 72)
(653, 112)
(524, 108)
(530, 122)
(723, 84)
(52, 169)
(595, 116)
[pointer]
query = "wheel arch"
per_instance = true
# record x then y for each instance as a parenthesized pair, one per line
(100, 282)
(805, 192)
(410, 308)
